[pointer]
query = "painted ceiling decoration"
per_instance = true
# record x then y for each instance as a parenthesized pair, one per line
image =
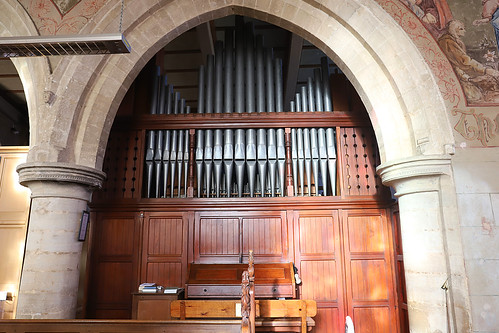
(64, 6)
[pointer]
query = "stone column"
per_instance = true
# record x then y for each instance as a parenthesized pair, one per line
(431, 242)
(50, 274)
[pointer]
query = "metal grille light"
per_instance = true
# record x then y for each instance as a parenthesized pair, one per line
(33, 46)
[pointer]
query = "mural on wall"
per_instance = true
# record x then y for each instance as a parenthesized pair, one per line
(61, 17)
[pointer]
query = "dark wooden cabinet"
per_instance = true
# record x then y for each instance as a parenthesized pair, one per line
(153, 306)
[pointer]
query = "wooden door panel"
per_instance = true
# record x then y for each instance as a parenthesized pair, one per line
(114, 264)
(164, 257)
(317, 235)
(167, 274)
(324, 272)
(369, 280)
(366, 234)
(165, 237)
(372, 320)
(328, 320)
(368, 255)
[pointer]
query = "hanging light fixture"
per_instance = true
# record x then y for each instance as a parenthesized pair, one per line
(33, 46)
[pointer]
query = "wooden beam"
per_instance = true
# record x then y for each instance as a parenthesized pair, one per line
(293, 68)
(205, 38)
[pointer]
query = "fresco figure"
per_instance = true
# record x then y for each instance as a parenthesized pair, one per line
(480, 83)
(435, 14)
(490, 13)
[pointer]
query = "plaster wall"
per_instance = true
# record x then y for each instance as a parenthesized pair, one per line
(477, 187)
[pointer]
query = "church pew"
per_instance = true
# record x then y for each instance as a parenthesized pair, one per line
(118, 326)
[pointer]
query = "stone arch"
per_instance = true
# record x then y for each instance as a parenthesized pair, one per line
(32, 72)
(386, 68)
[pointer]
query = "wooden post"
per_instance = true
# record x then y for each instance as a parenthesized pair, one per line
(289, 171)
(192, 146)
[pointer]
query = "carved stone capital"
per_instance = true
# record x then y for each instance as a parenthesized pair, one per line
(415, 174)
(35, 174)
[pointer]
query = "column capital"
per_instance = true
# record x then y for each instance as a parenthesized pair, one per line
(415, 174)
(36, 175)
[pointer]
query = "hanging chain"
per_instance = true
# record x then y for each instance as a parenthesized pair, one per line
(121, 15)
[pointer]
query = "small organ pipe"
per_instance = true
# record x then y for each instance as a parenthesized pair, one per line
(176, 102)
(262, 158)
(228, 159)
(186, 160)
(331, 159)
(269, 80)
(229, 55)
(199, 160)
(239, 159)
(166, 162)
(281, 159)
(208, 160)
(294, 153)
(260, 75)
(300, 149)
(315, 158)
(180, 157)
(239, 84)
(201, 89)
(250, 70)
(218, 77)
(325, 84)
(318, 90)
(173, 161)
(279, 97)
(169, 99)
(209, 84)
(251, 159)
(217, 160)
(272, 158)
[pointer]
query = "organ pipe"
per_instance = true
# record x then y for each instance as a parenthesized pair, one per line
(242, 162)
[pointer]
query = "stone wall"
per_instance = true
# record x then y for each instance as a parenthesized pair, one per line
(477, 187)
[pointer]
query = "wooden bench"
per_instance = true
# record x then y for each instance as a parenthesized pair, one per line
(270, 315)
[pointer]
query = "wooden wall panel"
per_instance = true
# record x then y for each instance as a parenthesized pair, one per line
(164, 257)
(370, 285)
(373, 320)
(326, 271)
(167, 274)
(264, 236)
(369, 280)
(318, 258)
(219, 236)
(114, 273)
(328, 320)
(227, 238)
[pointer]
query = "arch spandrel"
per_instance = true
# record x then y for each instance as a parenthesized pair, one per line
(33, 72)
(382, 63)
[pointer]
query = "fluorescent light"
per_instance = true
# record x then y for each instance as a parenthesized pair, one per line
(33, 46)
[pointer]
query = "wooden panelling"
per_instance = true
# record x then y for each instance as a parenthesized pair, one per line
(167, 274)
(227, 238)
(264, 236)
(366, 234)
(369, 280)
(317, 235)
(318, 257)
(219, 236)
(359, 156)
(328, 320)
(373, 320)
(370, 285)
(165, 236)
(164, 257)
(114, 272)
(122, 165)
(319, 280)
